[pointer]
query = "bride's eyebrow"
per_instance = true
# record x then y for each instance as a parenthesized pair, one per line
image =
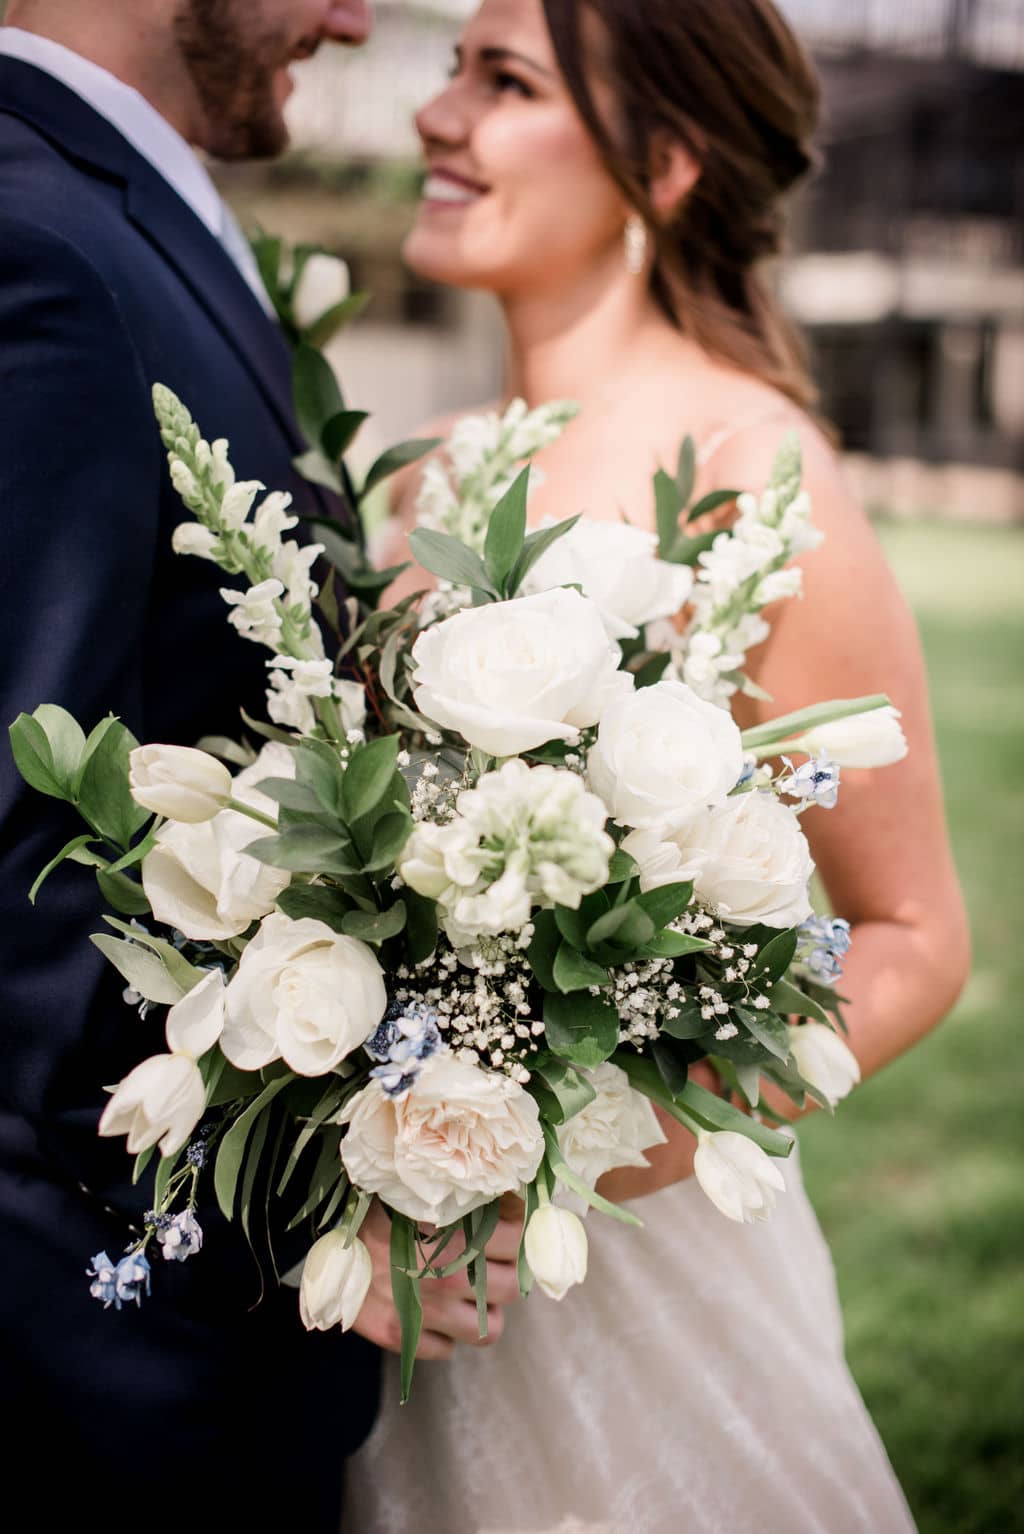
(502, 55)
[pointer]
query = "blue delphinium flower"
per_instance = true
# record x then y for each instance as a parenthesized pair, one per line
(408, 1035)
(131, 1275)
(104, 1286)
(823, 942)
(813, 781)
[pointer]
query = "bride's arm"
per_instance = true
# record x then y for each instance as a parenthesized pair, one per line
(883, 853)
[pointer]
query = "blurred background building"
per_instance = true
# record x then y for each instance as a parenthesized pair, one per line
(907, 261)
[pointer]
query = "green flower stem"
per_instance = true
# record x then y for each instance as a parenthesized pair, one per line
(247, 809)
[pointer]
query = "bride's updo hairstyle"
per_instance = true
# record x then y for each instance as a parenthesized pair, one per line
(730, 81)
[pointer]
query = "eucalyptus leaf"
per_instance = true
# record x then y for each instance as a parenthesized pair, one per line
(185, 975)
(626, 926)
(67, 742)
(667, 902)
(547, 939)
(33, 757)
(104, 796)
(560, 1089)
(71, 847)
(399, 457)
(307, 849)
(376, 928)
(124, 894)
(315, 392)
(583, 1029)
(144, 970)
(319, 902)
(450, 560)
(368, 776)
(674, 945)
(791, 1001)
(769, 1031)
(573, 971)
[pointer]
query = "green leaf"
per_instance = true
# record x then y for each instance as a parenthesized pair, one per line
(368, 776)
(326, 1108)
(626, 926)
(666, 903)
(67, 741)
(232, 1147)
(252, 1161)
(315, 392)
(405, 1290)
(333, 319)
(668, 507)
(142, 1161)
(291, 794)
(709, 503)
(674, 945)
(390, 835)
(672, 1068)
(687, 551)
(769, 1031)
(506, 531)
(482, 1224)
(319, 902)
(790, 1001)
(450, 560)
(778, 730)
(573, 971)
(652, 671)
(775, 957)
(420, 926)
(104, 798)
(308, 849)
(233, 1085)
(325, 1176)
(621, 868)
(315, 468)
(124, 894)
(144, 970)
(375, 928)
(267, 250)
(66, 851)
(688, 1024)
(686, 469)
(523, 1272)
(184, 974)
(547, 939)
(694, 1104)
(572, 925)
(583, 1029)
(399, 457)
(339, 433)
(565, 1174)
(560, 1090)
(33, 757)
(535, 545)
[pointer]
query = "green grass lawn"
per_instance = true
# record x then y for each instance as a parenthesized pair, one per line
(919, 1182)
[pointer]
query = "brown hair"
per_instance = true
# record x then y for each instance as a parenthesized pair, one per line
(728, 79)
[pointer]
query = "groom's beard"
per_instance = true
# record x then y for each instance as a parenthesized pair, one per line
(232, 63)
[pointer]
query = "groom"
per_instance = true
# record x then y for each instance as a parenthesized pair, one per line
(120, 266)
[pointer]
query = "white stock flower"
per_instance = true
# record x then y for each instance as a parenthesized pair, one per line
(254, 612)
(304, 994)
(195, 1023)
(323, 283)
(663, 754)
(874, 739)
(161, 1099)
(194, 538)
(738, 1177)
(612, 1131)
(556, 1250)
(179, 782)
(460, 1137)
(616, 566)
(512, 675)
(824, 1061)
(199, 879)
(523, 837)
(748, 859)
(335, 1282)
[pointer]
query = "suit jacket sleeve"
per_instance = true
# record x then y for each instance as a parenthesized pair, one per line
(80, 474)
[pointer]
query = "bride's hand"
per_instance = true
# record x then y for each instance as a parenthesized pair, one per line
(449, 1305)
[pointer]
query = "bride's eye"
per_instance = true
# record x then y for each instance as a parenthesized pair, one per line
(503, 81)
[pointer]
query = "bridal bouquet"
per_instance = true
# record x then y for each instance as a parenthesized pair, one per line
(502, 871)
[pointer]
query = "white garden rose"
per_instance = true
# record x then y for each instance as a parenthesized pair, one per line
(304, 994)
(556, 1249)
(874, 739)
(199, 879)
(824, 1061)
(335, 1281)
(738, 1177)
(161, 1099)
(617, 567)
(458, 1138)
(179, 782)
(323, 283)
(663, 754)
(612, 1131)
(748, 858)
(512, 675)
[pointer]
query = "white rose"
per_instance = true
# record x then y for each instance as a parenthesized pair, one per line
(178, 782)
(738, 1177)
(616, 566)
(662, 754)
(323, 283)
(334, 1284)
(512, 675)
(874, 739)
(824, 1061)
(556, 1250)
(199, 879)
(460, 1137)
(303, 994)
(612, 1131)
(748, 859)
(161, 1099)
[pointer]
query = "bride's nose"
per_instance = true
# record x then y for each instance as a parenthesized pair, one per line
(443, 120)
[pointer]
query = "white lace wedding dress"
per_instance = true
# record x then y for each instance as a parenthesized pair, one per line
(695, 1384)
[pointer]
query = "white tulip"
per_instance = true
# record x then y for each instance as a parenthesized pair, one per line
(179, 782)
(556, 1249)
(161, 1099)
(824, 1061)
(738, 1177)
(195, 1023)
(323, 283)
(874, 739)
(335, 1281)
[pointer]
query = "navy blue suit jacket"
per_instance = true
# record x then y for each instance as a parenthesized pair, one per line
(108, 284)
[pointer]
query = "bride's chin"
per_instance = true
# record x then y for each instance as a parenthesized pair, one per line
(437, 261)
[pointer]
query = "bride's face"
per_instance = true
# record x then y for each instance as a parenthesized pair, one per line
(516, 196)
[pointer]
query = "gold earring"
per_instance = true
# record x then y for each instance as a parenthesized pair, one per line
(635, 237)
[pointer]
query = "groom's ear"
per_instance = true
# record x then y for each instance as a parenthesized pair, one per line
(675, 171)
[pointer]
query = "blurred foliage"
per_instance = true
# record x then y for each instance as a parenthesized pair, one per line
(919, 1182)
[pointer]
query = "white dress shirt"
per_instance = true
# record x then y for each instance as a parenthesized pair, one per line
(149, 133)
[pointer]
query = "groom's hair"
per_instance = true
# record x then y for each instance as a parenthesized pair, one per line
(729, 80)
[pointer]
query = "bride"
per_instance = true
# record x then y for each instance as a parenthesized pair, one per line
(612, 171)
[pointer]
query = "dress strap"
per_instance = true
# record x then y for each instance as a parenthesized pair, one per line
(726, 433)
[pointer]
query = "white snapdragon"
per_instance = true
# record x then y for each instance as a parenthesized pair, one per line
(824, 1060)
(873, 739)
(738, 1177)
(556, 1250)
(335, 1282)
(255, 613)
(295, 683)
(618, 568)
(271, 520)
(179, 782)
(512, 675)
(663, 754)
(237, 503)
(613, 1130)
(194, 538)
(523, 837)
(323, 283)
(459, 1138)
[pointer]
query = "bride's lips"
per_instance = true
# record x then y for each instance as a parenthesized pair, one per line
(447, 189)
